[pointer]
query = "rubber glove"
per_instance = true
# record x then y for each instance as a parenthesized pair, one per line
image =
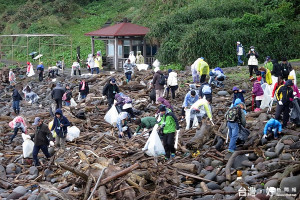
(280, 103)
(51, 143)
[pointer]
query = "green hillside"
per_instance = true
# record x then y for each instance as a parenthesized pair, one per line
(185, 29)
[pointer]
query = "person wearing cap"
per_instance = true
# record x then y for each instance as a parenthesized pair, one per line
(195, 73)
(169, 124)
(172, 82)
(233, 123)
(238, 94)
(268, 64)
(190, 98)
(286, 68)
(145, 122)
(240, 53)
(122, 125)
(216, 76)
(60, 125)
(41, 141)
(98, 62)
(67, 95)
(110, 90)
(295, 88)
(139, 58)
(40, 69)
(284, 96)
(203, 70)
(16, 100)
(128, 70)
(273, 126)
(57, 94)
(258, 92)
(18, 123)
(252, 62)
(83, 89)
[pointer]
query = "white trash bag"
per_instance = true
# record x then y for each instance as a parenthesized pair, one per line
(73, 103)
(27, 146)
(176, 139)
(142, 67)
(188, 119)
(153, 146)
(111, 116)
(73, 132)
(267, 97)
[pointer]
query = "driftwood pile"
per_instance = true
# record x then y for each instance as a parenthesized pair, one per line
(99, 165)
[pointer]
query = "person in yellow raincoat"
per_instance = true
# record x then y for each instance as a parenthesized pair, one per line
(203, 70)
(98, 62)
(197, 106)
(139, 58)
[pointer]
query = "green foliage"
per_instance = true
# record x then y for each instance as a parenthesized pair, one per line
(172, 66)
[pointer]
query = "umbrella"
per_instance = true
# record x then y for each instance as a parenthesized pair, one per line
(38, 56)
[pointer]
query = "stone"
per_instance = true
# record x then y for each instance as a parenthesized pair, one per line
(11, 168)
(260, 166)
(288, 142)
(218, 196)
(258, 160)
(285, 156)
(17, 192)
(296, 145)
(213, 186)
(223, 93)
(220, 179)
(207, 162)
(279, 148)
(270, 154)
(247, 163)
(273, 166)
(4, 194)
(2, 172)
(245, 85)
(216, 163)
(252, 157)
(47, 172)
(209, 168)
(237, 164)
(204, 172)
(33, 170)
(249, 179)
(32, 197)
(211, 176)
(262, 117)
(291, 182)
(290, 137)
(271, 183)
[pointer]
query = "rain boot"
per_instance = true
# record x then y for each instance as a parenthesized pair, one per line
(18, 111)
(15, 111)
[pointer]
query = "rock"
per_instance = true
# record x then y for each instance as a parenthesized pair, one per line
(288, 142)
(211, 176)
(249, 179)
(247, 163)
(271, 183)
(17, 192)
(285, 156)
(220, 179)
(252, 157)
(258, 160)
(223, 93)
(213, 186)
(33, 170)
(10, 168)
(260, 166)
(216, 163)
(279, 148)
(237, 164)
(209, 168)
(218, 196)
(262, 117)
(2, 172)
(270, 154)
(4, 194)
(290, 137)
(47, 172)
(291, 182)
(32, 197)
(204, 172)
(273, 166)
(42, 196)
(296, 145)
(207, 162)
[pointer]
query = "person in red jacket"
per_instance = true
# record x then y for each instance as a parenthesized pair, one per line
(277, 85)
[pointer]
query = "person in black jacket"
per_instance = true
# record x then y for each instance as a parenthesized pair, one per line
(16, 101)
(110, 90)
(276, 68)
(57, 94)
(284, 97)
(83, 89)
(60, 125)
(41, 140)
(286, 68)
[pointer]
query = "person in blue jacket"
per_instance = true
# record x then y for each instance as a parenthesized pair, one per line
(272, 126)
(40, 69)
(238, 94)
(60, 125)
(190, 98)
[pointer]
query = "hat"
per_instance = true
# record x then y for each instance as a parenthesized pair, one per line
(290, 77)
(28, 63)
(289, 83)
(169, 70)
(238, 42)
(268, 58)
(284, 59)
(235, 88)
(202, 58)
(252, 47)
(113, 80)
(41, 62)
(36, 121)
(252, 79)
(162, 108)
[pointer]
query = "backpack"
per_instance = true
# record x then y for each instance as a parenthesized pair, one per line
(64, 97)
(206, 89)
(233, 115)
(162, 80)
